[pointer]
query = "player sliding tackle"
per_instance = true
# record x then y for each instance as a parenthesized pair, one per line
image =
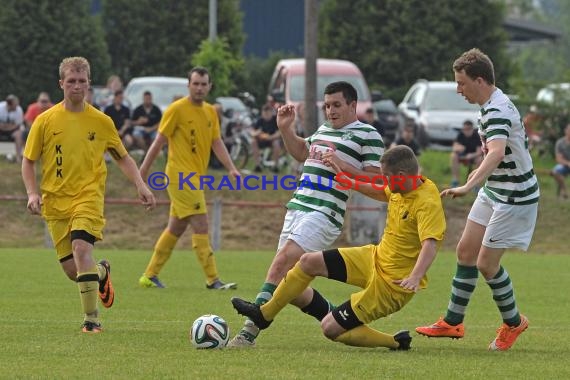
(389, 273)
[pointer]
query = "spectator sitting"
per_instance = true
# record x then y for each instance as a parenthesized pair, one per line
(562, 168)
(266, 135)
(121, 114)
(11, 122)
(466, 150)
(145, 120)
(370, 118)
(42, 104)
(408, 139)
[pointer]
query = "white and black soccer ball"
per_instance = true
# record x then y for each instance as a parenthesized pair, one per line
(210, 331)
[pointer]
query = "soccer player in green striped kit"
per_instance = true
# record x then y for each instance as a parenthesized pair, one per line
(504, 213)
(315, 214)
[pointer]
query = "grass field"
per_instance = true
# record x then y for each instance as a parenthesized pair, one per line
(146, 332)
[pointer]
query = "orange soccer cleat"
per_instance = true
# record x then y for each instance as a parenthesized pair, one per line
(442, 329)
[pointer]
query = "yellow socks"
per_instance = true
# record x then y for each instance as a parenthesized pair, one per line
(162, 251)
(292, 285)
(88, 284)
(205, 255)
(364, 336)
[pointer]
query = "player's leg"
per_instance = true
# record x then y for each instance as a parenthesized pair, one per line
(341, 325)
(510, 227)
(205, 253)
(182, 205)
(466, 273)
(302, 232)
(162, 251)
(292, 286)
(347, 322)
(87, 278)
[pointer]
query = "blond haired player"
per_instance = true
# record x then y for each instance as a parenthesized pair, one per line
(191, 127)
(388, 273)
(71, 139)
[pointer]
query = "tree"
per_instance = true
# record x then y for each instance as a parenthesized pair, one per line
(218, 59)
(158, 37)
(37, 35)
(396, 42)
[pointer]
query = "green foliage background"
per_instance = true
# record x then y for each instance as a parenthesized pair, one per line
(394, 42)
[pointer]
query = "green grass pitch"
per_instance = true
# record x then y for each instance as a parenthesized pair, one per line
(146, 332)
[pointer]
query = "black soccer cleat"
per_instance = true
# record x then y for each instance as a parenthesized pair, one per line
(403, 337)
(252, 311)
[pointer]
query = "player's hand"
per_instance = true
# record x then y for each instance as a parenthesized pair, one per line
(331, 159)
(286, 116)
(35, 204)
(235, 173)
(147, 198)
(409, 283)
(455, 192)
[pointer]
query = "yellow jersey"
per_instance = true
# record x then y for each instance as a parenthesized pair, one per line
(71, 146)
(190, 130)
(412, 218)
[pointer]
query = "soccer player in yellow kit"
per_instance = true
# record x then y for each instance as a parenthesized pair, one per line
(191, 128)
(388, 273)
(71, 139)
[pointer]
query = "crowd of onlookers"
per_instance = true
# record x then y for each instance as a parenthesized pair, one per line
(138, 127)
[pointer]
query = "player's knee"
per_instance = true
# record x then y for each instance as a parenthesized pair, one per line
(329, 327)
(308, 264)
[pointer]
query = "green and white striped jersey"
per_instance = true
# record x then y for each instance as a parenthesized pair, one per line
(513, 181)
(358, 144)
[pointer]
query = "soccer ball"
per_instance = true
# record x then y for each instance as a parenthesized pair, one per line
(209, 331)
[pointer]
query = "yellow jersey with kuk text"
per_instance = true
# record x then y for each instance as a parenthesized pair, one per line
(71, 147)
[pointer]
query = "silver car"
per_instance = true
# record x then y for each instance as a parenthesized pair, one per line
(437, 111)
(164, 90)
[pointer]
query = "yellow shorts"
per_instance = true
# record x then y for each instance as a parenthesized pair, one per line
(186, 202)
(378, 297)
(60, 232)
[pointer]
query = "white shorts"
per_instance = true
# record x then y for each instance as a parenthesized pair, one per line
(508, 226)
(313, 231)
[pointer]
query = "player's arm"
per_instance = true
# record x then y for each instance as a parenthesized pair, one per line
(222, 154)
(152, 153)
(425, 259)
(295, 145)
(29, 178)
(130, 170)
(330, 158)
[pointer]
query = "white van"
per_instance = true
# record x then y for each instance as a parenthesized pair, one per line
(287, 85)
